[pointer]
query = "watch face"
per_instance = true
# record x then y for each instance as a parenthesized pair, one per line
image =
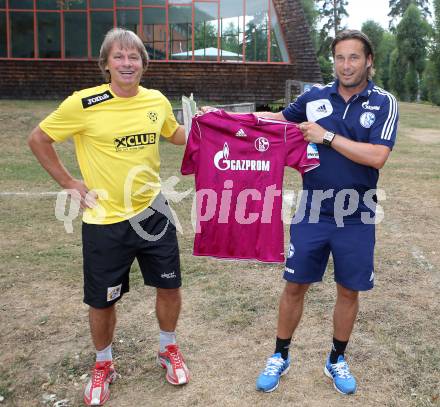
(328, 138)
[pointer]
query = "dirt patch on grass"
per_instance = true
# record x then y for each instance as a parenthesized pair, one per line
(228, 321)
(424, 135)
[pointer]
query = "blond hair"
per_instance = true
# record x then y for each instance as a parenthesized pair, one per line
(126, 39)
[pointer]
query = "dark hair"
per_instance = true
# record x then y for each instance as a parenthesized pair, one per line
(356, 35)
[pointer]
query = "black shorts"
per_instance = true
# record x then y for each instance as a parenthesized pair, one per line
(110, 250)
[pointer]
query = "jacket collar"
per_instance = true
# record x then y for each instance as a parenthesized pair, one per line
(365, 92)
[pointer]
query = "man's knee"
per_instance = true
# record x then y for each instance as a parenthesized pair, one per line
(169, 294)
(103, 310)
(102, 314)
(347, 294)
(295, 291)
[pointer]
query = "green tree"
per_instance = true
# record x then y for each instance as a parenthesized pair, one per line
(435, 56)
(412, 41)
(396, 75)
(398, 8)
(386, 47)
(430, 86)
(312, 17)
(327, 70)
(311, 12)
(256, 38)
(375, 33)
(325, 57)
(333, 11)
(411, 83)
(205, 35)
(230, 39)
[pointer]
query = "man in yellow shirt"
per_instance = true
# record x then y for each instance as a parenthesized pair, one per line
(116, 129)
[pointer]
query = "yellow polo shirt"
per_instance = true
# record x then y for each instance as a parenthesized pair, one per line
(117, 146)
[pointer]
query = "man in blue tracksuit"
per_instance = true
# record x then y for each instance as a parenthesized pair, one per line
(353, 124)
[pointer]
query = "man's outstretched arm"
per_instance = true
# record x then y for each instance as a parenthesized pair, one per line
(178, 137)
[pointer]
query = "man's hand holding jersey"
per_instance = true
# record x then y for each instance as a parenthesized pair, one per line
(313, 132)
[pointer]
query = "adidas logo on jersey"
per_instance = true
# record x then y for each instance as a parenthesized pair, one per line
(318, 109)
(240, 133)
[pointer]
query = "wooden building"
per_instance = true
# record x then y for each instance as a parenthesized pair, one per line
(220, 50)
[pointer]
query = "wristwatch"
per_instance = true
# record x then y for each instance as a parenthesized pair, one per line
(328, 138)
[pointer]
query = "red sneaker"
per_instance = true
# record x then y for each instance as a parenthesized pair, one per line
(172, 360)
(97, 392)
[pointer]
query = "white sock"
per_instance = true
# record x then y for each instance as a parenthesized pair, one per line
(105, 354)
(166, 338)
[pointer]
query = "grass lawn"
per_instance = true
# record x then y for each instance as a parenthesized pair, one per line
(228, 321)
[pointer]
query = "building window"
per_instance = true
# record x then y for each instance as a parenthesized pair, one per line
(154, 2)
(48, 4)
(172, 30)
(256, 20)
(101, 3)
(74, 4)
(3, 45)
(180, 32)
(49, 35)
(206, 31)
(128, 19)
(231, 28)
(21, 4)
(278, 49)
(154, 32)
(100, 22)
(75, 35)
(127, 3)
(22, 34)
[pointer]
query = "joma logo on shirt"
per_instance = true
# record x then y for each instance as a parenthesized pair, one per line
(96, 99)
(134, 141)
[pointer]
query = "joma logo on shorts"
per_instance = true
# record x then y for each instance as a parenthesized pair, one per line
(96, 99)
(134, 141)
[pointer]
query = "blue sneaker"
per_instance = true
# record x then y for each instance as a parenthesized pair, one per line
(276, 367)
(343, 381)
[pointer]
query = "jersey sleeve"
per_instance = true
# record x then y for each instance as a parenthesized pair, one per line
(170, 124)
(66, 121)
(296, 111)
(300, 155)
(384, 129)
(190, 158)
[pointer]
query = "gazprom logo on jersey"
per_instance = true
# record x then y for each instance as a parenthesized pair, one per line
(367, 106)
(134, 141)
(223, 163)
